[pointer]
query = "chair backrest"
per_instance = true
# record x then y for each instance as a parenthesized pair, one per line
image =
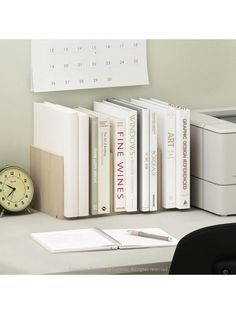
(210, 250)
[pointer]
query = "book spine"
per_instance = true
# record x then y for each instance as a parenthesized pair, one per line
(131, 151)
(71, 166)
(83, 171)
(153, 160)
(183, 158)
(112, 165)
(103, 166)
(112, 182)
(143, 162)
(93, 155)
(119, 167)
(168, 160)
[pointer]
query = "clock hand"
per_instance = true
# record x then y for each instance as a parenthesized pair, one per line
(10, 193)
(13, 190)
(10, 187)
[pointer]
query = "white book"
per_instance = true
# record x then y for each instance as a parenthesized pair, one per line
(56, 129)
(83, 176)
(130, 117)
(166, 142)
(153, 146)
(95, 239)
(182, 156)
(103, 161)
(143, 152)
(117, 146)
(93, 162)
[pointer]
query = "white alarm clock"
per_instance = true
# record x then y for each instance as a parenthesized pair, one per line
(16, 189)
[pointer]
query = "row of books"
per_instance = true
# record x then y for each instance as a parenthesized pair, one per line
(122, 156)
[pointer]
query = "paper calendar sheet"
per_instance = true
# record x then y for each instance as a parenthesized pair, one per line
(81, 64)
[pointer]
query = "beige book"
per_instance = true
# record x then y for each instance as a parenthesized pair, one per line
(103, 162)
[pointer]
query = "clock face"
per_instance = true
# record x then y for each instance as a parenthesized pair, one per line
(16, 189)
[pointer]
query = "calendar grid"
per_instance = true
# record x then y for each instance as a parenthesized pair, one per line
(83, 64)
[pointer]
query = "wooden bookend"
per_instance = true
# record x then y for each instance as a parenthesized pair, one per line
(47, 172)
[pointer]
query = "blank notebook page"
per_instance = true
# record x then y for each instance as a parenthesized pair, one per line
(73, 240)
(131, 241)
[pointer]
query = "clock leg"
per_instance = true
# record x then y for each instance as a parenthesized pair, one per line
(29, 210)
(2, 213)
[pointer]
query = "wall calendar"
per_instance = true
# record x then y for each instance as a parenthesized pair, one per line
(81, 64)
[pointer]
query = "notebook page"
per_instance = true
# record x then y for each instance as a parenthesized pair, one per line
(73, 240)
(131, 241)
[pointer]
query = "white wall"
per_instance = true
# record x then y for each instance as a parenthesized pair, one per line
(200, 73)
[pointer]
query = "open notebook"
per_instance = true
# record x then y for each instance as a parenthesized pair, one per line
(96, 239)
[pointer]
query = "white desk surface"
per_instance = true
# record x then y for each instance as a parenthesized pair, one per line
(19, 254)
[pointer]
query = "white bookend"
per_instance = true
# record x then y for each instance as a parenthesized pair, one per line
(103, 162)
(182, 155)
(130, 117)
(56, 129)
(166, 142)
(153, 146)
(143, 151)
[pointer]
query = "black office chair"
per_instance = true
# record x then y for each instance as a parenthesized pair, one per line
(210, 250)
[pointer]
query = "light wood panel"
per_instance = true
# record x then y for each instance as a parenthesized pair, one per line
(47, 172)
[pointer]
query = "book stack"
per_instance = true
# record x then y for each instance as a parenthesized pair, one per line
(122, 156)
